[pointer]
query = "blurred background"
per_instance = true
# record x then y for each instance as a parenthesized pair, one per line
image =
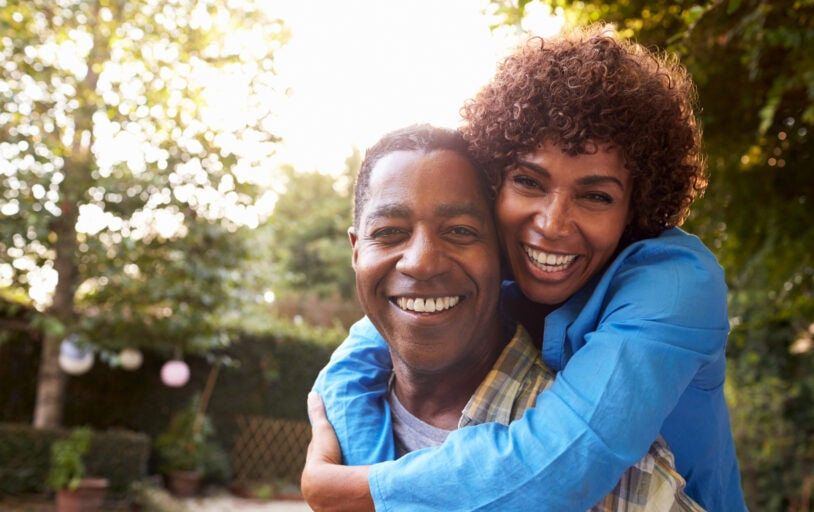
(175, 185)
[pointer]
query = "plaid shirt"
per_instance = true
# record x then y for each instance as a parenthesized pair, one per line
(512, 386)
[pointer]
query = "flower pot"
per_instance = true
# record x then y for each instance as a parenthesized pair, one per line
(89, 496)
(184, 483)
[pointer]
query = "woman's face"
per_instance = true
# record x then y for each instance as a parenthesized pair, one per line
(561, 218)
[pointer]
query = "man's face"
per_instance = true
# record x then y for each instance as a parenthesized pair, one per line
(426, 260)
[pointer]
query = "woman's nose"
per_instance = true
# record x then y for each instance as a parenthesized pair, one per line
(554, 219)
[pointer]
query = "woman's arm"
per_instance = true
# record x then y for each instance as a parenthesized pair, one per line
(632, 348)
(326, 484)
(353, 386)
(658, 319)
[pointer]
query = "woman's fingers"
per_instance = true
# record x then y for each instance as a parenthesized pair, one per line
(325, 483)
(316, 409)
(324, 446)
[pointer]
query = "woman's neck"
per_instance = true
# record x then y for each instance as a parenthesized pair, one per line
(530, 315)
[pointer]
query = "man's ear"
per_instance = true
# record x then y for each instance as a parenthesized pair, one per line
(353, 239)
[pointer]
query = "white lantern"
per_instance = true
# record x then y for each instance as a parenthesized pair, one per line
(130, 358)
(73, 359)
(175, 373)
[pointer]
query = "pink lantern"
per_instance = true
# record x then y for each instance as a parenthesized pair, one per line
(175, 373)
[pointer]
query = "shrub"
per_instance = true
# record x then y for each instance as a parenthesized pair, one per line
(120, 456)
(188, 444)
(67, 468)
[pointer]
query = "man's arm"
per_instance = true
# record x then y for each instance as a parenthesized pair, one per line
(326, 484)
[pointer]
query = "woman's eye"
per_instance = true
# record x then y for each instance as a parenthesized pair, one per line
(599, 197)
(525, 181)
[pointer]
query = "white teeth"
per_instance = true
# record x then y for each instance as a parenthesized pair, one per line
(428, 304)
(550, 262)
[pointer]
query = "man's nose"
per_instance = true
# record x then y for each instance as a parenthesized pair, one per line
(423, 257)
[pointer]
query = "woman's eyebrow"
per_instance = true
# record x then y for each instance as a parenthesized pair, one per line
(596, 179)
(599, 179)
(533, 167)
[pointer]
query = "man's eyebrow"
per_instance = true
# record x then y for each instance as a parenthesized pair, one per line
(446, 210)
(449, 210)
(389, 210)
(596, 179)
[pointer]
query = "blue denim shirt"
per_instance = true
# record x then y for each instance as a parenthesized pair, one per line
(639, 351)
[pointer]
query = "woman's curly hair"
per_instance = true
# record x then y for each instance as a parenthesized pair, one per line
(586, 88)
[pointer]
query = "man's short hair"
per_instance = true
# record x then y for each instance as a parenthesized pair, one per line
(418, 137)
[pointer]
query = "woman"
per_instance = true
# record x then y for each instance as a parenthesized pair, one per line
(594, 150)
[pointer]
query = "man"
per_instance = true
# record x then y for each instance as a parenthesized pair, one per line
(425, 253)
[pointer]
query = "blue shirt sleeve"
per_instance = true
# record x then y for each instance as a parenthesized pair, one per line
(657, 317)
(653, 322)
(353, 386)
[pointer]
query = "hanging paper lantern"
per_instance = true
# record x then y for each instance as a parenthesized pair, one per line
(175, 373)
(130, 358)
(74, 360)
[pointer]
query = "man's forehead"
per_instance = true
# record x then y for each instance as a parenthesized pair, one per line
(439, 181)
(449, 209)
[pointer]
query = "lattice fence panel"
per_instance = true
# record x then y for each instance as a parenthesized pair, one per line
(268, 448)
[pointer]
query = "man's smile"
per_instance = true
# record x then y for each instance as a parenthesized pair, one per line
(426, 304)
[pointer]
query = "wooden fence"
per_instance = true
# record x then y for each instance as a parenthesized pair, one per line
(270, 449)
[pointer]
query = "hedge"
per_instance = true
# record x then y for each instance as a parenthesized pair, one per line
(119, 455)
(269, 375)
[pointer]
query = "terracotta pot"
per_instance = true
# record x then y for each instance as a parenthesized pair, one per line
(89, 496)
(184, 483)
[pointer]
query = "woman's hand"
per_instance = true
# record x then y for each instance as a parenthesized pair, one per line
(326, 484)
(324, 446)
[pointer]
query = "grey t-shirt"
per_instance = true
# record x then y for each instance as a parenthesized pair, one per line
(409, 432)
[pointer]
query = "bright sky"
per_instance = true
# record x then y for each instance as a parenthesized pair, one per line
(359, 68)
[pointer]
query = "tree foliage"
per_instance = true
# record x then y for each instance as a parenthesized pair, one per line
(128, 134)
(311, 253)
(309, 256)
(753, 61)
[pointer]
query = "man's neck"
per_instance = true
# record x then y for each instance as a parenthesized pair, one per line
(438, 398)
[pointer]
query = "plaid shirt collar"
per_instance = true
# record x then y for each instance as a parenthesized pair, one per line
(496, 397)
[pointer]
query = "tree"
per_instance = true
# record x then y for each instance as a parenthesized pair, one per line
(753, 62)
(311, 255)
(124, 171)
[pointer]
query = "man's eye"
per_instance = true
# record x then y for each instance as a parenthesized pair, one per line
(463, 231)
(462, 235)
(386, 233)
